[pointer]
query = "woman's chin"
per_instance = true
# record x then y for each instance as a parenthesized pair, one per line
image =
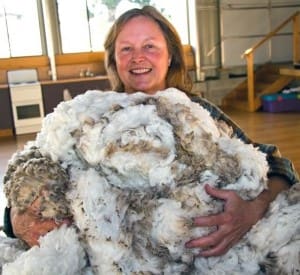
(145, 89)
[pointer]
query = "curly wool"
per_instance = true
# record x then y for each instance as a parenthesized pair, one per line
(137, 166)
(30, 176)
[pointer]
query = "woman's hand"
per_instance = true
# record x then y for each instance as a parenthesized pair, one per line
(29, 226)
(236, 220)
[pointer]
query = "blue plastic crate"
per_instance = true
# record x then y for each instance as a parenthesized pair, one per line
(280, 102)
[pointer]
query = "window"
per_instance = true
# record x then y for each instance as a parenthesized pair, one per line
(84, 24)
(19, 28)
(176, 12)
(73, 24)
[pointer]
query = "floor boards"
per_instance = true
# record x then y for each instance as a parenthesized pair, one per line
(281, 129)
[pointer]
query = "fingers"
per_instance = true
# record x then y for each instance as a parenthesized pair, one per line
(209, 240)
(230, 225)
(213, 220)
(38, 228)
(217, 250)
(214, 244)
(218, 193)
(204, 242)
(220, 247)
(30, 227)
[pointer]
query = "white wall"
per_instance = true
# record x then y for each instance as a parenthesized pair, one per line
(245, 22)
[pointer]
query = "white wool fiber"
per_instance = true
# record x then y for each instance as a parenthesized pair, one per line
(138, 164)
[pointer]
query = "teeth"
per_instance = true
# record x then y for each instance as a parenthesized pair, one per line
(140, 71)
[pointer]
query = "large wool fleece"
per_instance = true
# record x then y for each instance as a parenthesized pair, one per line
(131, 170)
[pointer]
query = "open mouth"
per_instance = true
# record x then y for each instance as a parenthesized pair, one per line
(140, 71)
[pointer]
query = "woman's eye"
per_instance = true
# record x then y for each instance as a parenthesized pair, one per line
(149, 46)
(125, 49)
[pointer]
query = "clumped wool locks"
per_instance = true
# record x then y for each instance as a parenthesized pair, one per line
(130, 169)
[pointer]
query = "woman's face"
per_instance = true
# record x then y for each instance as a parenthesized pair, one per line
(142, 57)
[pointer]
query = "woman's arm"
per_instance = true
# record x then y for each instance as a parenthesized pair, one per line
(29, 226)
(236, 220)
(240, 215)
(35, 188)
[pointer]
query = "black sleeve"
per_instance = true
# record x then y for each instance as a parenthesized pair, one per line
(7, 227)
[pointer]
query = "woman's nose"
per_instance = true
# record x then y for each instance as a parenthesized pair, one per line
(137, 55)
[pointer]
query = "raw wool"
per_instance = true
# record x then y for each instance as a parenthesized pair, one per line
(144, 140)
(31, 177)
(270, 247)
(278, 234)
(10, 250)
(137, 165)
(60, 252)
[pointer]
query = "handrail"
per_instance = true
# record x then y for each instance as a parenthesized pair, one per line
(249, 54)
(271, 34)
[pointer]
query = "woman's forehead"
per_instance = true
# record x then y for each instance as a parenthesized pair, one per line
(140, 28)
(140, 23)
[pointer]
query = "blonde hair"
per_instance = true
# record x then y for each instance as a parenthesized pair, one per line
(177, 75)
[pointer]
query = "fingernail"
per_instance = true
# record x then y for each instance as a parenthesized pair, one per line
(188, 244)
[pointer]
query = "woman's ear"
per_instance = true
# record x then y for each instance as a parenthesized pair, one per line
(169, 61)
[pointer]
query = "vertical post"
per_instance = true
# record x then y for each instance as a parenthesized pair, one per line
(296, 38)
(51, 34)
(193, 29)
(250, 75)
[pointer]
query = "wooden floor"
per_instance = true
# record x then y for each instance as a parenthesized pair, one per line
(9, 145)
(281, 129)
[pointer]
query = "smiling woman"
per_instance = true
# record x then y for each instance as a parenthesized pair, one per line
(142, 61)
(145, 58)
(75, 144)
